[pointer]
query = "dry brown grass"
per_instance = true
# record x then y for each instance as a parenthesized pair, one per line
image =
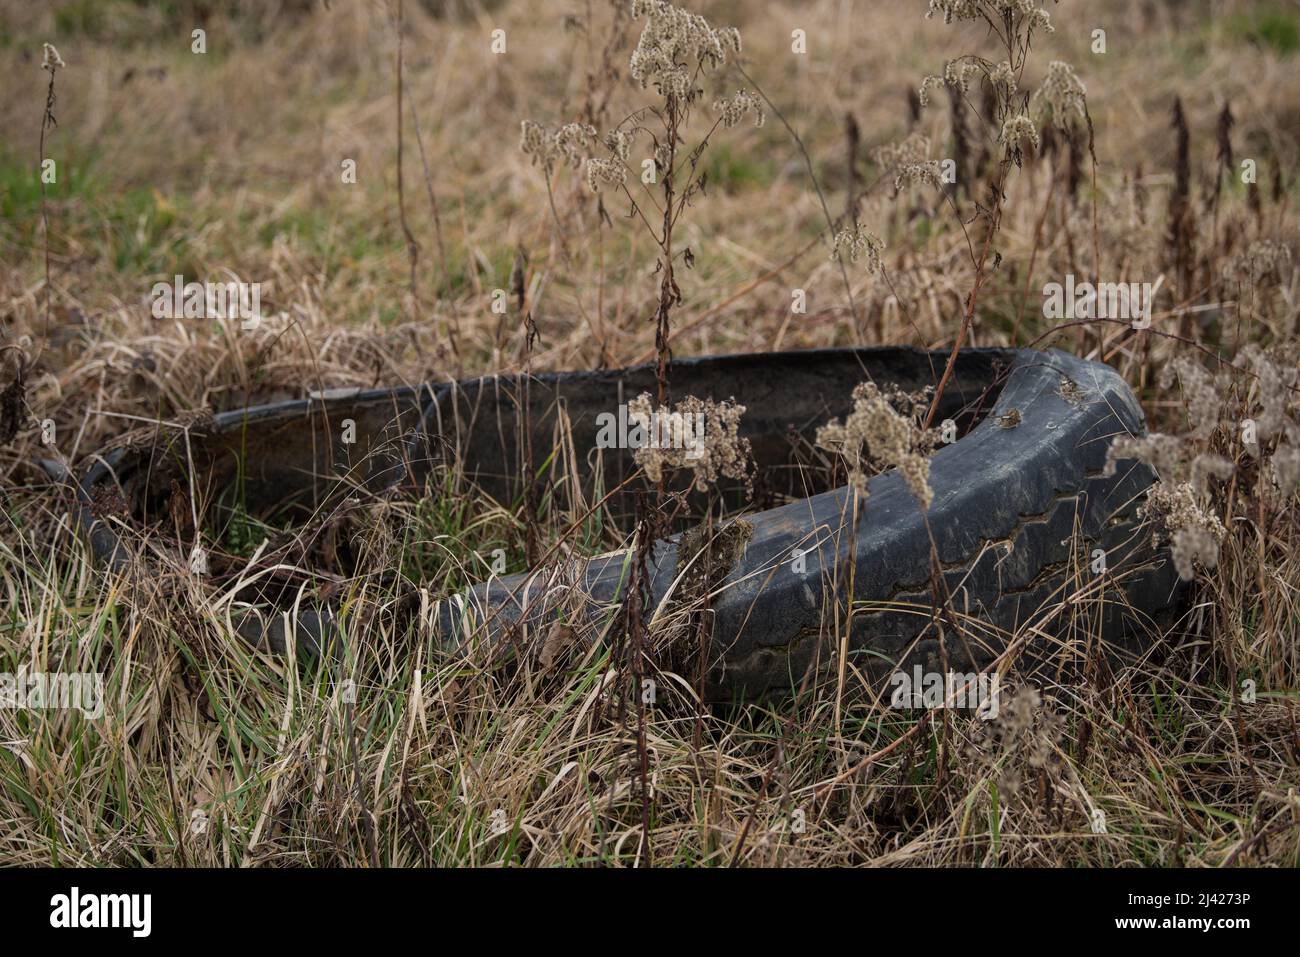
(229, 163)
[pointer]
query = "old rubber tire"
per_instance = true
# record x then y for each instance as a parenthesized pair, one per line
(1034, 539)
(1017, 512)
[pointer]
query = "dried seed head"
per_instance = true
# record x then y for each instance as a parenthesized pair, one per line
(1191, 545)
(1018, 127)
(914, 148)
(1164, 453)
(958, 73)
(733, 110)
(619, 142)
(1201, 392)
(928, 173)
(875, 433)
(909, 160)
(1060, 98)
(568, 144)
(1206, 466)
(1274, 392)
(673, 42)
(532, 140)
(707, 442)
(1003, 78)
(571, 142)
(51, 60)
(1286, 469)
(950, 10)
(930, 81)
(857, 242)
(603, 173)
(1194, 533)
(1263, 260)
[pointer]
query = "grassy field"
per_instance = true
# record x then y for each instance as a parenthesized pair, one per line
(236, 162)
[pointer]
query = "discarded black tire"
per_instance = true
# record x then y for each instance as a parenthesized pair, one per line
(1032, 536)
(1016, 510)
